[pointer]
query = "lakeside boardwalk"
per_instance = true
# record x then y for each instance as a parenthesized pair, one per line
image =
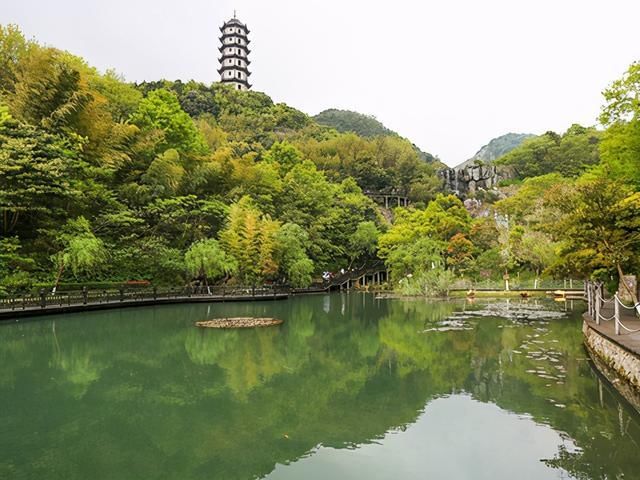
(46, 303)
(627, 340)
(19, 311)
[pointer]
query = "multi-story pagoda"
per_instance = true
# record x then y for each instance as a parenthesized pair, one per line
(234, 63)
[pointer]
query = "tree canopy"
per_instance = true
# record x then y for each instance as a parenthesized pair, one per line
(172, 180)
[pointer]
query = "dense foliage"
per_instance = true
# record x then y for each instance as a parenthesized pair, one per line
(174, 182)
(367, 126)
(166, 181)
(347, 121)
(569, 154)
(573, 210)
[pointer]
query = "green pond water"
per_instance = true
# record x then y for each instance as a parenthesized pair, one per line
(350, 387)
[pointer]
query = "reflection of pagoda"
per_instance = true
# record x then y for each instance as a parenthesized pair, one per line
(234, 63)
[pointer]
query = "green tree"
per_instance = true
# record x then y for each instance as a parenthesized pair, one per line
(5, 116)
(284, 155)
(160, 110)
(48, 90)
(82, 252)
(290, 252)
(600, 230)
(414, 258)
(145, 258)
(122, 99)
(621, 114)
(207, 260)
(622, 97)
(38, 172)
(185, 219)
(259, 180)
(250, 238)
(306, 195)
(537, 251)
(620, 152)
(443, 218)
(154, 167)
(528, 202)
(165, 174)
(570, 154)
(14, 47)
(459, 253)
(347, 121)
(15, 267)
(363, 242)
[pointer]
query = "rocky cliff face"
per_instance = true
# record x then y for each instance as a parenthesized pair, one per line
(466, 181)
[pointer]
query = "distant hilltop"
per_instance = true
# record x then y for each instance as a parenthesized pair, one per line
(348, 121)
(496, 148)
(366, 126)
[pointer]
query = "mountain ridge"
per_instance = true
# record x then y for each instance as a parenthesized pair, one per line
(367, 126)
(496, 148)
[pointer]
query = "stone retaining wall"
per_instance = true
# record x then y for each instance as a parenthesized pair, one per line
(625, 363)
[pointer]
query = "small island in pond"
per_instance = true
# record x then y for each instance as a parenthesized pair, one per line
(242, 322)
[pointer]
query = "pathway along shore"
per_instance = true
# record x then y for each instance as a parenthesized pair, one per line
(612, 337)
(12, 310)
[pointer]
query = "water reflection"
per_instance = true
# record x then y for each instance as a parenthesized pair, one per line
(347, 382)
(455, 437)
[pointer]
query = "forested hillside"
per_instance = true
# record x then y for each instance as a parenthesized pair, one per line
(170, 181)
(569, 154)
(346, 121)
(101, 179)
(573, 210)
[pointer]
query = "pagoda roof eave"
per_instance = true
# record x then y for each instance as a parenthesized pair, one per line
(235, 56)
(225, 68)
(236, 80)
(244, 47)
(234, 35)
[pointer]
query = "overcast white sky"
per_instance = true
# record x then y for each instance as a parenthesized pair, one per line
(448, 74)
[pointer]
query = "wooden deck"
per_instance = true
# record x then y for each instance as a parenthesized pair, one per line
(14, 315)
(627, 340)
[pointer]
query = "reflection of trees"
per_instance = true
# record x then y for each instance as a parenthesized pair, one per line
(254, 362)
(568, 404)
(410, 348)
(300, 328)
(218, 403)
(78, 367)
(15, 352)
(252, 357)
(206, 347)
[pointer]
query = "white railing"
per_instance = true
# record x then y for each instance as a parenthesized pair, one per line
(596, 302)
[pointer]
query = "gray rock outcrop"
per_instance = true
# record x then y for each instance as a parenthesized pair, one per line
(468, 180)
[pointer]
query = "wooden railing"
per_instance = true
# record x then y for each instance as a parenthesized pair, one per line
(96, 297)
